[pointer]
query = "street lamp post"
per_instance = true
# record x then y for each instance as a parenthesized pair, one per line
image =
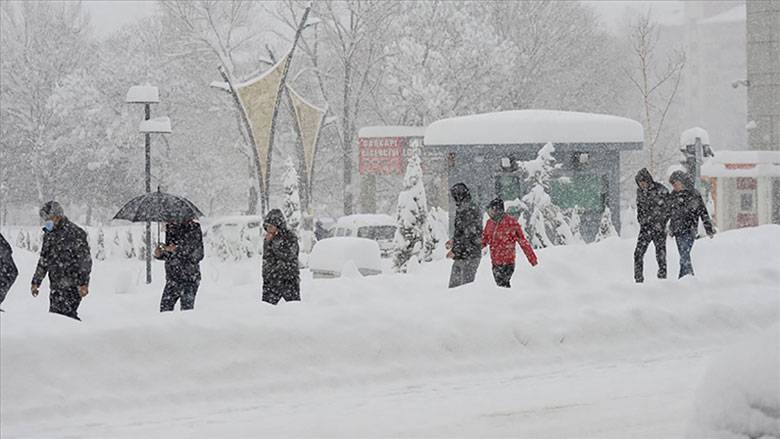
(147, 95)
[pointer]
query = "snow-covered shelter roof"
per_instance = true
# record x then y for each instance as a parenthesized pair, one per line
(733, 164)
(534, 127)
(156, 125)
(391, 131)
(142, 94)
(688, 137)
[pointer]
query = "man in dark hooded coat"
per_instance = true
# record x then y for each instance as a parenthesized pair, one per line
(687, 207)
(281, 274)
(8, 271)
(652, 213)
(182, 253)
(66, 259)
(466, 243)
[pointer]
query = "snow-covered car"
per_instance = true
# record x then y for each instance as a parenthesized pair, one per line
(234, 237)
(377, 227)
(342, 256)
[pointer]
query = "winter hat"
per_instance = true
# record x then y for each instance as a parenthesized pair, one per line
(497, 203)
(643, 175)
(52, 208)
(682, 177)
(275, 217)
(460, 192)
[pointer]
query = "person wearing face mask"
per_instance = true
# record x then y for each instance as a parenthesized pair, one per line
(65, 257)
(501, 233)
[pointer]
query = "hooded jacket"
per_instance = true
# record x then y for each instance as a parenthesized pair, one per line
(652, 204)
(467, 234)
(280, 257)
(64, 257)
(500, 235)
(8, 271)
(183, 264)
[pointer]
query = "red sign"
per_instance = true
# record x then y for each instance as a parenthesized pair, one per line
(381, 155)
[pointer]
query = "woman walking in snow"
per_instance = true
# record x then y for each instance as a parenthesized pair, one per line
(281, 275)
(687, 207)
(501, 233)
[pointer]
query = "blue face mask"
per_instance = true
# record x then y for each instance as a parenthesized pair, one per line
(48, 226)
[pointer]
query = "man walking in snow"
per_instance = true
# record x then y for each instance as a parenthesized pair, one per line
(652, 213)
(281, 275)
(182, 253)
(66, 259)
(465, 246)
(687, 207)
(501, 233)
(8, 271)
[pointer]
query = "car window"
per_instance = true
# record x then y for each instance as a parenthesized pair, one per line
(377, 232)
(349, 232)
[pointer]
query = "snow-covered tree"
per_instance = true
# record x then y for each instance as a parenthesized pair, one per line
(292, 200)
(414, 235)
(575, 222)
(606, 228)
(100, 248)
(129, 245)
(543, 221)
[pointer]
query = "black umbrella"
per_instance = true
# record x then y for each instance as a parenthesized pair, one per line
(158, 207)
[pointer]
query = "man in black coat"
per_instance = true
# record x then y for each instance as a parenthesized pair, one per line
(687, 207)
(66, 259)
(8, 271)
(182, 253)
(652, 213)
(281, 274)
(466, 243)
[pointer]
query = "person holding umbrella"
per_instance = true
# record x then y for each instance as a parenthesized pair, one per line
(182, 253)
(183, 249)
(65, 257)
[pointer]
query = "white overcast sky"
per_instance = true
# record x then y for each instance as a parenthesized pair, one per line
(108, 15)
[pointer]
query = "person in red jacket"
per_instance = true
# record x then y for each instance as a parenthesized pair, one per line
(501, 233)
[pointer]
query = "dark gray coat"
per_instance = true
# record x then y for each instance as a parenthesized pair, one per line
(467, 233)
(8, 271)
(183, 264)
(64, 257)
(687, 206)
(652, 204)
(281, 275)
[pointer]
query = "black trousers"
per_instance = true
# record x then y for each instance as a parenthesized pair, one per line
(503, 274)
(290, 292)
(179, 290)
(658, 238)
(65, 301)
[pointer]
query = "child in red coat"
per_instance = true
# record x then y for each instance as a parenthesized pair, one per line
(501, 233)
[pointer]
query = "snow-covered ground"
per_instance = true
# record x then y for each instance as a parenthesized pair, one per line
(574, 349)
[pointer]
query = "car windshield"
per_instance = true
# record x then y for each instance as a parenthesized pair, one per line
(376, 232)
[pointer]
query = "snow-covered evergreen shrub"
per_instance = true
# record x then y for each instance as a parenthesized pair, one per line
(543, 221)
(413, 235)
(100, 247)
(606, 228)
(575, 223)
(129, 245)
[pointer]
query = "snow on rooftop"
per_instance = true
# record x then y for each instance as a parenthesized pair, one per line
(533, 126)
(733, 164)
(156, 125)
(391, 131)
(733, 15)
(142, 94)
(688, 137)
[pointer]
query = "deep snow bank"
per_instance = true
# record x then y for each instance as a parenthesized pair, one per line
(580, 302)
(739, 397)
